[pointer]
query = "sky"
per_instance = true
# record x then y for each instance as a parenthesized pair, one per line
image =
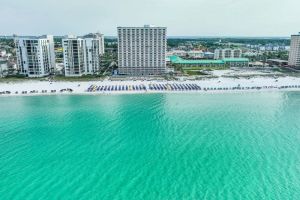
(248, 18)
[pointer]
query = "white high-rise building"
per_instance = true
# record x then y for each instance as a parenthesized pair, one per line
(35, 55)
(227, 53)
(82, 55)
(142, 50)
(294, 54)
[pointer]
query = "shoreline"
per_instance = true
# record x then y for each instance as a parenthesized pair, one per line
(209, 86)
(150, 93)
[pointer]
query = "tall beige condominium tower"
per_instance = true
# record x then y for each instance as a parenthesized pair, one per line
(294, 55)
(142, 50)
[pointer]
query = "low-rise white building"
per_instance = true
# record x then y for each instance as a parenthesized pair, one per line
(3, 67)
(209, 55)
(180, 53)
(196, 54)
(2, 53)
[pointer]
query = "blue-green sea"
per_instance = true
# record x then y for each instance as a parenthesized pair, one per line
(150, 147)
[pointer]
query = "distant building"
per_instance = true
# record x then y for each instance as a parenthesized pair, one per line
(227, 53)
(294, 55)
(277, 62)
(59, 69)
(3, 67)
(209, 55)
(258, 64)
(236, 62)
(195, 54)
(82, 55)
(35, 55)
(2, 53)
(142, 50)
(251, 54)
(180, 53)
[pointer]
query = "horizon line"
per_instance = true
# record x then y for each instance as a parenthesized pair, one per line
(172, 36)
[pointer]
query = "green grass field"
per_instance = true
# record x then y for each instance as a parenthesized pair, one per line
(194, 72)
(82, 78)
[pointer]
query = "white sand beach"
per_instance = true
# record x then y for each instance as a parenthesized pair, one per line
(218, 85)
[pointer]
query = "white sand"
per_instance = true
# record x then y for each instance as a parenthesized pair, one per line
(81, 87)
(245, 72)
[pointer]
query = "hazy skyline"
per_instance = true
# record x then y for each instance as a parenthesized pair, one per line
(182, 18)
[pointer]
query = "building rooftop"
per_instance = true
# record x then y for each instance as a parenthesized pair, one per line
(236, 59)
(225, 49)
(178, 60)
(277, 60)
(93, 35)
(209, 53)
(90, 35)
(3, 61)
(145, 26)
(296, 34)
(149, 25)
(34, 37)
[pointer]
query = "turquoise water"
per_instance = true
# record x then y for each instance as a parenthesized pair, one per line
(160, 146)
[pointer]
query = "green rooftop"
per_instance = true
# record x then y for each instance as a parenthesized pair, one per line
(178, 60)
(236, 59)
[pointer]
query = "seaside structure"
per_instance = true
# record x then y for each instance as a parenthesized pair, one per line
(230, 62)
(277, 62)
(2, 52)
(227, 53)
(3, 66)
(142, 50)
(82, 55)
(35, 55)
(294, 54)
(196, 54)
(208, 55)
(180, 53)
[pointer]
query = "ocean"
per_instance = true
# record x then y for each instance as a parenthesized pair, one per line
(155, 146)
